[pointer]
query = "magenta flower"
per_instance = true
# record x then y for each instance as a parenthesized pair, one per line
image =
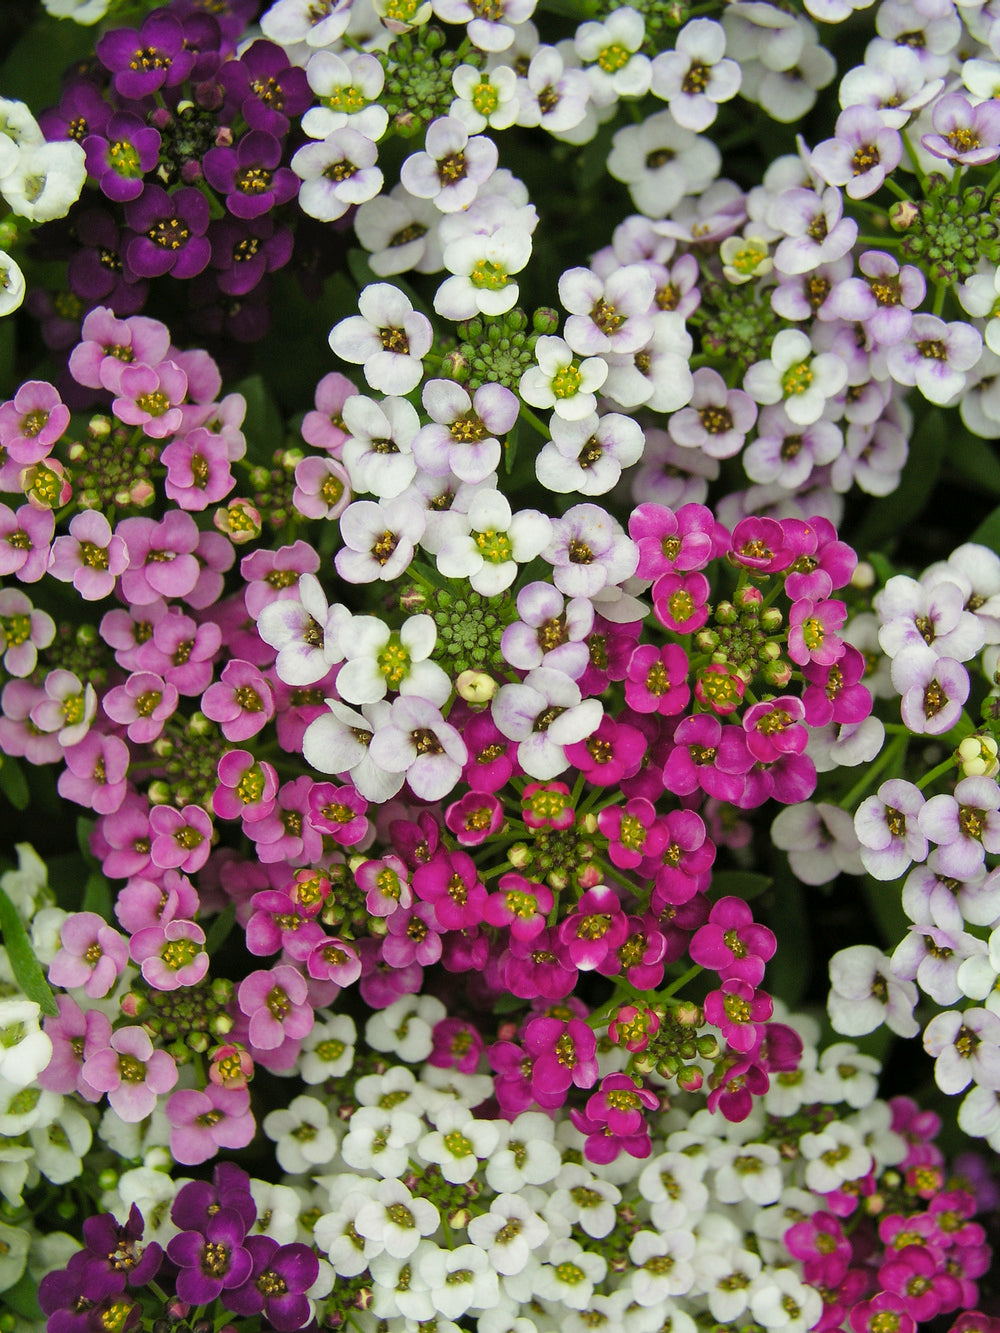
(617, 1118)
(732, 943)
(198, 471)
(739, 1012)
(95, 773)
(564, 1053)
(761, 543)
(615, 751)
(242, 702)
(687, 857)
(75, 1035)
(819, 1244)
(24, 541)
(882, 1311)
(131, 1073)
(474, 818)
(276, 1002)
(334, 960)
(203, 1121)
(171, 955)
(812, 631)
(775, 728)
(657, 677)
(634, 833)
(91, 955)
(246, 788)
(32, 422)
(180, 839)
(596, 926)
(249, 175)
(681, 540)
(521, 905)
(680, 601)
(734, 1086)
(836, 693)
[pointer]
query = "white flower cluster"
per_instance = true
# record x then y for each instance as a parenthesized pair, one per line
(39, 181)
(442, 1214)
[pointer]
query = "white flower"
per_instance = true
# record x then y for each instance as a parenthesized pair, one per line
(337, 173)
(395, 1220)
(277, 1211)
(347, 86)
(672, 1184)
(291, 21)
(482, 265)
(570, 1274)
(11, 284)
(47, 180)
(780, 1300)
(335, 1232)
(793, 376)
(562, 382)
(484, 98)
(380, 1140)
(458, 1142)
(865, 993)
(306, 632)
(661, 162)
(18, 124)
(525, 1155)
(61, 1145)
(584, 1200)
(453, 167)
(27, 886)
(615, 66)
(459, 1279)
(724, 1275)
(401, 233)
(397, 1087)
(746, 1171)
(302, 1134)
(388, 339)
(509, 1233)
(495, 541)
(405, 1027)
(24, 1049)
(820, 841)
(833, 1156)
(693, 78)
(333, 743)
(14, 1242)
(378, 452)
(663, 1265)
(328, 1049)
(849, 1076)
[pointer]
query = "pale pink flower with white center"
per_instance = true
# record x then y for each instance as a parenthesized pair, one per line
(611, 52)
(608, 314)
(495, 541)
(337, 173)
(560, 381)
(897, 85)
(453, 168)
(544, 714)
(794, 376)
(131, 1072)
(378, 452)
(322, 488)
(589, 551)
(966, 1048)
(863, 151)
(694, 78)
(388, 339)
(464, 436)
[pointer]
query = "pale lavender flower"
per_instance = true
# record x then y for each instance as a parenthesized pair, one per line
(788, 454)
(966, 134)
(608, 314)
(718, 418)
(388, 339)
(935, 356)
(816, 231)
(933, 689)
(863, 151)
(965, 826)
(417, 742)
(339, 742)
(933, 956)
(551, 632)
(888, 829)
(894, 84)
(544, 714)
(793, 376)
(588, 456)
(453, 167)
(915, 615)
(464, 435)
(658, 375)
(820, 841)
(305, 631)
(966, 1049)
(866, 992)
(379, 539)
(883, 301)
(131, 1072)
(589, 551)
(693, 78)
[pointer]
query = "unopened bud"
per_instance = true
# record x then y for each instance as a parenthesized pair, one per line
(903, 214)
(770, 619)
(476, 687)
(863, 577)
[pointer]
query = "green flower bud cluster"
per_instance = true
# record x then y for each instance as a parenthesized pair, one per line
(737, 323)
(344, 911)
(112, 469)
(947, 234)
(187, 136)
(190, 749)
(676, 1044)
(469, 629)
(558, 857)
(418, 69)
(497, 350)
(191, 1018)
(741, 638)
(273, 488)
(80, 649)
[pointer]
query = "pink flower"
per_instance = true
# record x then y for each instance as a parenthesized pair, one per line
(32, 422)
(198, 472)
(564, 1053)
(181, 839)
(171, 955)
(739, 1011)
(131, 1073)
(91, 955)
(149, 396)
(246, 788)
(521, 905)
(142, 705)
(275, 1001)
(681, 601)
(241, 702)
(324, 427)
(91, 557)
(812, 631)
(202, 1122)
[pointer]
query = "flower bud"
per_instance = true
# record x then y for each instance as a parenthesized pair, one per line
(476, 687)
(159, 792)
(770, 619)
(545, 320)
(903, 214)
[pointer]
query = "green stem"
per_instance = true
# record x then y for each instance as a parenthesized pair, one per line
(896, 189)
(944, 767)
(681, 981)
(536, 421)
(940, 292)
(914, 161)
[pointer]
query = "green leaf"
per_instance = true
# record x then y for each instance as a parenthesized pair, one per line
(974, 459)
(263, 427)
(25, 965)
(31, 72)
(22, 1298)
(988, 532)
(886, 907)
(13, 783)
(97, 895)
(738, 884)
(84, 828)
(789, 970)
(221, 927)
(927, 452)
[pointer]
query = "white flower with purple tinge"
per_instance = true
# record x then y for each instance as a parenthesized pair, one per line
(560, 381)
(787, 454)
(379, 538)
(337, 173)
(916, 615)
(661, 162)
(865, 993)
(658, 375)
(588, 456)
(883, 301)
(388, 339)
(552, 95)
(932, 957)
(379, 659)
(935, 356)
(453, 167)
(544, 714)
(339, 742)
(291, 21)
(888, 829)
(862, 153)
(966, 134)
(977, 976)
(464, 434)
(306, 632)
(418, 743)
(589, 551)
(608, 314)
(378, 452)
(794, 376)
(895, 85)
(400, 233)
(820, 841)
(694, 78)
(491, 26)
(494, 542)
(718, 418)
(550, 632)
(933, 689)
(964, 826)
(815, 229)
(966, 1049)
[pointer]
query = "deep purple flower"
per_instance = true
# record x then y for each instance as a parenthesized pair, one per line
(143, 61)
(244, 250)
(95, 272)
(120, 155)
(213, 1260)
(265, 88)
(276, 1288)
(249, 176)
(167, 233)
(118, 1246)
